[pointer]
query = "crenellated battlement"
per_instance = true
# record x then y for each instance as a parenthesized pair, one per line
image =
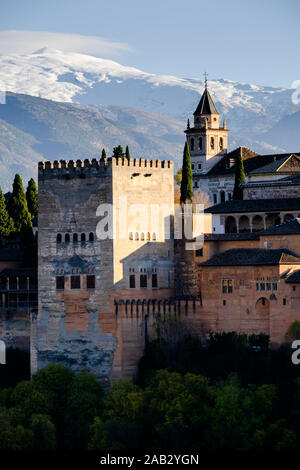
(84, 168)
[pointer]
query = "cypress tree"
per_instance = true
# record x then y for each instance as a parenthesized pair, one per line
(118, 152)
(127, 153)
(240, 177)
(103, 156)
(32, 198)
(186, 187)
(7, 226)
(17, 206)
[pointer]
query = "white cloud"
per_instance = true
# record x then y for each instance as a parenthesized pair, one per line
(25, 42)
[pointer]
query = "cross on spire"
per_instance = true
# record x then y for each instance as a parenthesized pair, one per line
(205, 79)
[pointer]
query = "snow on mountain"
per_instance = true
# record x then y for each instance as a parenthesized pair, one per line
(250, 110)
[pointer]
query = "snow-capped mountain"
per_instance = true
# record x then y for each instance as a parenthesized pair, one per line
(250, 110)
(80, 104)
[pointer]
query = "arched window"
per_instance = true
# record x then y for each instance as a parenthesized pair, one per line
(91, 237)
(136, 235)
(67, 237)
(58, 238)
(212, 143)
(75, 238)
(148, 236)
(130, 236)
(154, 236)
(221, 143)
(142, 236)
(192, 143)
(83, 237)
(222, 196)
(200, 143)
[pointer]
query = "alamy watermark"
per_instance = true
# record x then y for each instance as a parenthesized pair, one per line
(2, 93)
(125, 221)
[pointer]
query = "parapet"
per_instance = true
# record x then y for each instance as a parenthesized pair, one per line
(142, 163)
(84, 168)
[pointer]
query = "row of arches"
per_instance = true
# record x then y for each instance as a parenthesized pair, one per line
(66, 238)
(142, 236)
(254, 223)
(157, 306)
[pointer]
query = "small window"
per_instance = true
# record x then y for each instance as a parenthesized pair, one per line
(196, 184)
(130, 236)
(193, 166)
(154, 281)
(75, 238)
(142, 236)
(268, 286)
(148, 236)
(283, 301)
(229, 197)
(262, 286)
(83, 237)
(154, 236)
(132, 281)
(143, 280)
(60, 282)
(212, 143)
(58, 238)
(67, 238)
(91, 237)
(257, 286)
(192, 143)
(227, 286)
(75, 282)
(136, 235)
(199, 252)
(221, 143)
(274, 285)
(215, 199)
(200, 143)
(199, 166)
(224, 302)
(90, 282)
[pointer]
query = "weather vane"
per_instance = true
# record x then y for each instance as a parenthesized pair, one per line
(205, 79)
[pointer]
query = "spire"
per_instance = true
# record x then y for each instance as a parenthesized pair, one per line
(206, 104)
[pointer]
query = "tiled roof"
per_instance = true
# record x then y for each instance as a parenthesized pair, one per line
(206, 104)
(255, 205)
(275, 165)
(252, 161)
(211, 237)
(294, 277)
(286, 228)
(253, 257)
(18, 272)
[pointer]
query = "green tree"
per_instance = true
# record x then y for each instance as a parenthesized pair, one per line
(85, 402)
(178, 177)
(43, 433)
(293, 332)
(127, 153)
(118, 152)
(6, 222)
(17, 206)
(32, 198)
(103, 156)
(186, 187)
(240, 177)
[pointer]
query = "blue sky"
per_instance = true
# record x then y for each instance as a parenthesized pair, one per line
(251, 41)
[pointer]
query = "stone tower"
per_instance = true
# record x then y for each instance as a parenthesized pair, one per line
(207, 140)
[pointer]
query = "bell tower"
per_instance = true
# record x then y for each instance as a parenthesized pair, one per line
(207, 140)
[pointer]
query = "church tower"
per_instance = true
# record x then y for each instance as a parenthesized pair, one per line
(207, 140)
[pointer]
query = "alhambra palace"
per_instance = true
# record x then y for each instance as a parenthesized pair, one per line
(94, 301)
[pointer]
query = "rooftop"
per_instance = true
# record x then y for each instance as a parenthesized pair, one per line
(294, 277)
(206, 105)
(253, 257)
(292, 227)
(255, 205)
